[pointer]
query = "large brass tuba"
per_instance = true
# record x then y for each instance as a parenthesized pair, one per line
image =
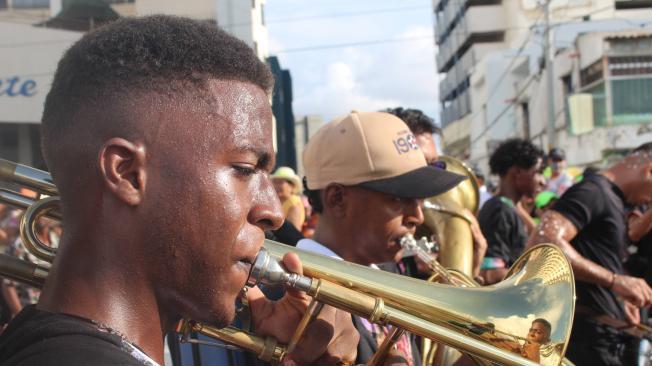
(446, 220)
(444, 217)
(483, 322)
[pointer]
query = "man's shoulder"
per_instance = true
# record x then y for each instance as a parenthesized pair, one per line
(40, 338)
(495, 206)
(71, 350)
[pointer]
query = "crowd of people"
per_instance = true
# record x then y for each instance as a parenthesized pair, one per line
(168, 198)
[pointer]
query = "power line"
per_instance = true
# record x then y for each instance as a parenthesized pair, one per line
(333, 15)
(502, 113)
(361, 43)
(508, 69)
(520, 92)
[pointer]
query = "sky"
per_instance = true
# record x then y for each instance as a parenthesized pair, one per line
(333, 81)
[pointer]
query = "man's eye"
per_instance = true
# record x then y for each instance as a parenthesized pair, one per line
(244, 170)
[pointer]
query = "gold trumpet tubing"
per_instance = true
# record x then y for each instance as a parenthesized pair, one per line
(36, 179)
(376, 311)
(28, 228)
(23, 271)
(266, 348)
(441, 274)
(23, 202)
(459, 310)
(389, 341)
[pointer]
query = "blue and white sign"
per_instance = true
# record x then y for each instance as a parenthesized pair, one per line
(15, 86)
(28, 60)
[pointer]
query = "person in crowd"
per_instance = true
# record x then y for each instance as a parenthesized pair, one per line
(288, 188)
(537, 335)
(588, 223)
(485, 193)
(518, 164)
(639, 264)
(166, 195)
(559, 180)
(368, 193)
(424, 130)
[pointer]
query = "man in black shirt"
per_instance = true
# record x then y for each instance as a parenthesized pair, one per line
(518, 164)
(589, 224)
(158, 135)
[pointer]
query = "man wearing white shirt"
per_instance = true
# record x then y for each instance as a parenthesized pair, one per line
(367, 178)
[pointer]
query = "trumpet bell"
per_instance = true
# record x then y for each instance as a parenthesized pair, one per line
(540, 285)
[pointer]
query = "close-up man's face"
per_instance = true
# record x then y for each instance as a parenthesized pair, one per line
(211, 197)
(283, 188)
(382, 220)
(538, 333)
(529, 181)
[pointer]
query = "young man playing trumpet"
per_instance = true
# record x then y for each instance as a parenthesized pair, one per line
(367, 178)
(158, 134)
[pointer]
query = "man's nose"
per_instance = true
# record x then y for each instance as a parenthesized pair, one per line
(413, 213)
(266, 211)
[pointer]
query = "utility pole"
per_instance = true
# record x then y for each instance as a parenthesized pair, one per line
(549, 55)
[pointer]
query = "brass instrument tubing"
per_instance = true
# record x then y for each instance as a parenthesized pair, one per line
(23, 271)
(376, 311)
(267, 348)
(389, 341)
(314, 308)
(33, 178)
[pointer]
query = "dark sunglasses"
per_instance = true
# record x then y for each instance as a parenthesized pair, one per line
(439, 164)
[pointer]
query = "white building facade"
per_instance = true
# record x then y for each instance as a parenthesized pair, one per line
(304, 128)
(30, 54)
(492, 55)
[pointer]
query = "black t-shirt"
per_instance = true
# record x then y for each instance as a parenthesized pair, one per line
(503, 229)
(42, 338)
(596, 207)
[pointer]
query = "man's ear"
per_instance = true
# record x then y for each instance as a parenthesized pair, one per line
(122, 164)
(334, 199)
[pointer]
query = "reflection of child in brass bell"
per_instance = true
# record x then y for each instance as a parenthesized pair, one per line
(538, 335)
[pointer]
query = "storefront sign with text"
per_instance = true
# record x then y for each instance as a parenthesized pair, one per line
(15, 86)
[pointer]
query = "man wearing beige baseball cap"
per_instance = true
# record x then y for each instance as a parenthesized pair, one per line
(367, 177)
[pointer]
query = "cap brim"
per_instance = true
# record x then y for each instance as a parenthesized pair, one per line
(424, 182)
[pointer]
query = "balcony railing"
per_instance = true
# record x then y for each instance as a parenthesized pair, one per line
(457, 74)
(458, 108)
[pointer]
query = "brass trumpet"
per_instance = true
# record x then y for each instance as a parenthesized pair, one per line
(540, 284)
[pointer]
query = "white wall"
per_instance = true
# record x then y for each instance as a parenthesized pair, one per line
(32, 63)
(197, 9)
(239, 18)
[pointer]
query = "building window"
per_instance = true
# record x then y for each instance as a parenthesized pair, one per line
(630, 65)
(633, 4)
(525, 113)
(631, 100)
(592, 73)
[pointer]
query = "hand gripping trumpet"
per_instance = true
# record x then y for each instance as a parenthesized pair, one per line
(539, 285)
